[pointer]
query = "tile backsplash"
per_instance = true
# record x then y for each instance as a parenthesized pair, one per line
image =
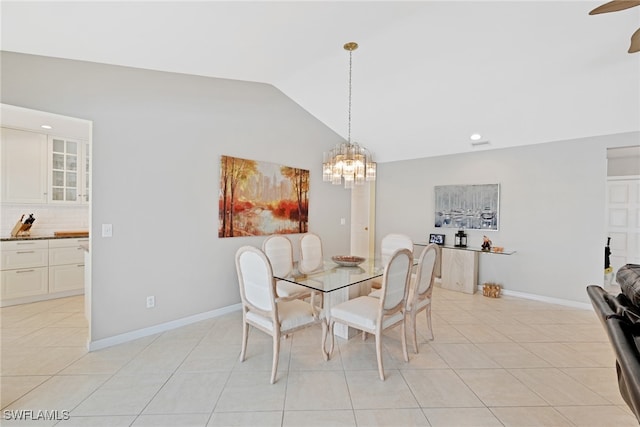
(49, 218)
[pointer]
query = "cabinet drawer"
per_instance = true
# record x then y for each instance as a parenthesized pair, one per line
(61, 256)
(24, 282)
(66, 277)
(15, 245)
(68, 243)
(24, 258)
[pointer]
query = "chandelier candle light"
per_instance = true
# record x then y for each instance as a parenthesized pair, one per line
(348, 160)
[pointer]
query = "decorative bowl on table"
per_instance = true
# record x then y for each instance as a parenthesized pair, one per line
(347, 260)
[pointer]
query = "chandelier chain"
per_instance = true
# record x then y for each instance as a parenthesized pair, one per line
(350, 70)
(347, 161)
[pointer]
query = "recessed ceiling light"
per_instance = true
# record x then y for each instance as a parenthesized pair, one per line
(476, 137)
(46, 126)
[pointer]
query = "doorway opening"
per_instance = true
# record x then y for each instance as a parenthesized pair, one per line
(622, 210)
(48, 173)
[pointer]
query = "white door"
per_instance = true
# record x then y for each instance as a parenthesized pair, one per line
(623, 220)
(363, 219)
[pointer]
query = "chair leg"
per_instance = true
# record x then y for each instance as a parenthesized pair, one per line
(404, 341)
(276, 355)
(412, 332)
(245, 336)
(312, 299)
(430, 327)
(379, 354)
(316, 303)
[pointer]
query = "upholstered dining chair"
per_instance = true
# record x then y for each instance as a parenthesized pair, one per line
(279, 250)
(421, 290)
(261, 309)
(375, 315)
(311, 256)
(388, 245)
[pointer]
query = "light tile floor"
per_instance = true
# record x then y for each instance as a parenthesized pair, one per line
(493, 362)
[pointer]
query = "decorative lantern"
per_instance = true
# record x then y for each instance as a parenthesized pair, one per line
(460, 239)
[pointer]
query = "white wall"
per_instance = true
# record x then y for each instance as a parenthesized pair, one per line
(156, 145)
(157, 141)
(552, 210)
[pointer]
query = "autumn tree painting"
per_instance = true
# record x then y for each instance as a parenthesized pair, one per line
(260, 198)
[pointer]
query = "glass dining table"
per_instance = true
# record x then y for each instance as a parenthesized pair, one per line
(337, 284)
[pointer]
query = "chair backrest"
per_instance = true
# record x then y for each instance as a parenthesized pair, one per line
(255, 279)
(279, 250)
(395, 281)
(310, 252)
(425, 273)
(391, 243)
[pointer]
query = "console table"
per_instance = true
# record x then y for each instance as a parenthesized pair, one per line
(459, 267)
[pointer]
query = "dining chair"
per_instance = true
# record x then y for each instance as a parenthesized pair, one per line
(311, 256)
(375, 315)
(260, 307)
(279, 250)
(388, 245)
(421, 290)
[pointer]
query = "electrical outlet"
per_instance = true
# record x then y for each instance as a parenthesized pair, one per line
(151, 302)
(107, 230)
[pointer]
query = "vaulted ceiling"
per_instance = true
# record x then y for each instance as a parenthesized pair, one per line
(426, 76)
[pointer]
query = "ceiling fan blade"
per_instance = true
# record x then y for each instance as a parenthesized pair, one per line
(614, 6)
(635, 42)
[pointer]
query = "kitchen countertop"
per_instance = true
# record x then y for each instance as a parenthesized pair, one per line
(51, 237)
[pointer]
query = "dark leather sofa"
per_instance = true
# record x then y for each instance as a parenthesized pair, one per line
(620, 316)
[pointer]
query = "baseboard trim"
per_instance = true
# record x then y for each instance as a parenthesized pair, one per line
(550, 300)
(44, 297)
(163, 327)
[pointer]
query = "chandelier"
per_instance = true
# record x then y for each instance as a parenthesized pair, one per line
(348, 161)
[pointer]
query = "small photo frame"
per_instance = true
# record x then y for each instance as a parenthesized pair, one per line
(438, 239)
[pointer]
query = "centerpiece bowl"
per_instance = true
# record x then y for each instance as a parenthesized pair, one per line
(347, 260)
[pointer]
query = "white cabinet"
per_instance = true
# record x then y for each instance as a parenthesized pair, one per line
(68, 171)
(66, 277)
(66, 265)
(24, 254)
(37, 168)
(35, 270)
(27, 282)
(24, 268)
(24, 166)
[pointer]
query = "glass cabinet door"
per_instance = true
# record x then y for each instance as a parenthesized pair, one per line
(64, 172)
(69, 171)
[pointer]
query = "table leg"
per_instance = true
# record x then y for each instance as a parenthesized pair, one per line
(325, 327)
